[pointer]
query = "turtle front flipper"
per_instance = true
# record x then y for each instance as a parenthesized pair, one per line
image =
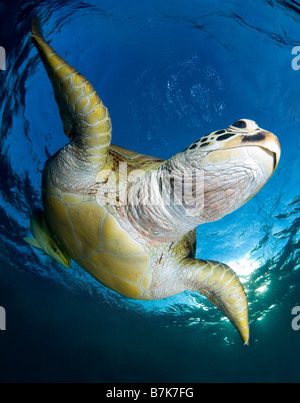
(85, 119)
(45, 241)
(221, 286)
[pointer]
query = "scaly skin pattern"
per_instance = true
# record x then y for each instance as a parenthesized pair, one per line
(130, 220)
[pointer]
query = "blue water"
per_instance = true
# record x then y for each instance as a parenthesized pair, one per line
(169, 71)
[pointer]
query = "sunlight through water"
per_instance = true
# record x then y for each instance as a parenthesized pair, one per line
(169, 72)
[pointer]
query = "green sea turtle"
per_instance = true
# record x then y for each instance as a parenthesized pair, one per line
(130, 219)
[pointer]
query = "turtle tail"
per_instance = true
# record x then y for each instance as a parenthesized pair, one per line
(85, 119)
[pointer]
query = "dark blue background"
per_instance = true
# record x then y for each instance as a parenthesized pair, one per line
(169, 71)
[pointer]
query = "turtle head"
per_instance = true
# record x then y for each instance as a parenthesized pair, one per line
(45, 241)
(236, 163)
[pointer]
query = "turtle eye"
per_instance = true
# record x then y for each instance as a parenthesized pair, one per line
(241, 124)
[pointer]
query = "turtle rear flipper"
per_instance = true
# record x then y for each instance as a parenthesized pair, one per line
(86, 120)
(33, 242)
(45, 241)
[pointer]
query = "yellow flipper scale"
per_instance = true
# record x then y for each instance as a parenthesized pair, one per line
(222, 287)
(86, 120)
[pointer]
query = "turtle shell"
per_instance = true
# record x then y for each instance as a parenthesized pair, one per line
(96, 241)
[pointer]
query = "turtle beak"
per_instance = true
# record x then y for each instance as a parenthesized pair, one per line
(272, 146)
(264, 147)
